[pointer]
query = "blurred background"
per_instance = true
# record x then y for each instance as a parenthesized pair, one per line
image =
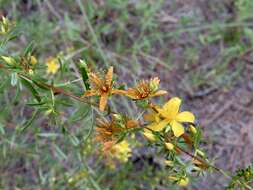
(201, 50)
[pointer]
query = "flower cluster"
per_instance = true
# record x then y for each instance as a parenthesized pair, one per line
(28, 62)
(103, 87)
(165, 126)
(25, 63)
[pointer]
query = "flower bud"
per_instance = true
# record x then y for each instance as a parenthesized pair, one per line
(8, 60)
(169, 163)
(53, 179)
(2, 30)
(4, 20)
(117, 117)
(199, 152)
(48, 112)
(196, 169)
(173, 178)
(30, 72)
(70, 180)
(183, 182)
(5, 25)
(169, 146)
(149, 136)
(33, 60)
(83, 63)
(193, 129)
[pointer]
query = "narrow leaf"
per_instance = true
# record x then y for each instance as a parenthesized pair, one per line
(29, 48)
(30, 87)
(30, 121)
(84, 74)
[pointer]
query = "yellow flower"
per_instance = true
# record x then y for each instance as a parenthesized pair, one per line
(145, 89)
(52, 65)
(170, 115)
(169, 146)
(33, 60)
(149, 135)
(121, 151)
(102, 87)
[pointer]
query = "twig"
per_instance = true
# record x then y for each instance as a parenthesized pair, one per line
(58, 90)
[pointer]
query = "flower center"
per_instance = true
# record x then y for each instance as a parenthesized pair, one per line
(143, 95)
(104, 89)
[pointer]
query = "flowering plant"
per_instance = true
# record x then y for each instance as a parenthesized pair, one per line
(174, 133)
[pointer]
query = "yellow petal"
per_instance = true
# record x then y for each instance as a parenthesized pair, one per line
(108, 76)
(171, 108)
(164, 113)
(95, 80)
(103, 101)
(177, 128)
(158, 118)
(185, 116)
(158, 126)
